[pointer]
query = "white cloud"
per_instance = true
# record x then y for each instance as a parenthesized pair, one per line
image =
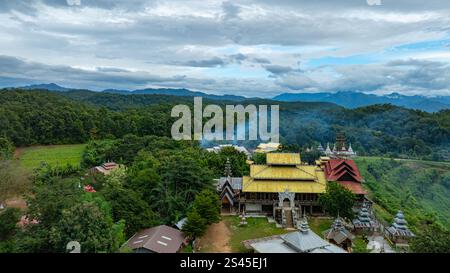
(266, 39)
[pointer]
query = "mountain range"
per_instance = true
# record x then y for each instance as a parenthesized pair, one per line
(357, 99)
(343, 98)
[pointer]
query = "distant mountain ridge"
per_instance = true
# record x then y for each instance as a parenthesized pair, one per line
(343, 98)
(356, 99)
(45, 86)
(148, 91)
(174, 92)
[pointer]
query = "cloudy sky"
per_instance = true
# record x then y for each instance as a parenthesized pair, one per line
(247, 47)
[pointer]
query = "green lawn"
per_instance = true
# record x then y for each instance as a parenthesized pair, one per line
(259, 227)
(31, 157)
(256, 228)
(319, 225)
(359, 245)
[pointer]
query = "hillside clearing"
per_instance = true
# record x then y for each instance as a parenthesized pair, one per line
(55, 155)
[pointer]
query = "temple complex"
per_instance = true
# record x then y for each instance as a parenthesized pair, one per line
(283, 188)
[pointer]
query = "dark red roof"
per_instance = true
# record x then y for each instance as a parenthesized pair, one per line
(342, 170)
(354, 187)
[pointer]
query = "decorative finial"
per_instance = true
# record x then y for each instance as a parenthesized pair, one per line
(227, 171)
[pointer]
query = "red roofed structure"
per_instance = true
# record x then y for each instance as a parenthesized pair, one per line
(346, 173)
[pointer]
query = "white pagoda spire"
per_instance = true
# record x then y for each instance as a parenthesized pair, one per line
(328, 150)
(350, 148)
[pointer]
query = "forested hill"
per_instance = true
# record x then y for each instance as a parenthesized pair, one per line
(42, 117)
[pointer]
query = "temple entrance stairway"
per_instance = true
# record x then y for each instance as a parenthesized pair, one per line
(288, 215)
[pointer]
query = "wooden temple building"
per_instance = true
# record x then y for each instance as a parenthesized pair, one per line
(339, 235)
(229, 188)
(283, 188)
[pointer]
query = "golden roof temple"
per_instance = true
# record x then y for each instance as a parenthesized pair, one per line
(284, 172)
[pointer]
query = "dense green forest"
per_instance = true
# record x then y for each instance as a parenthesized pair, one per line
(161, 184)
(43, 117)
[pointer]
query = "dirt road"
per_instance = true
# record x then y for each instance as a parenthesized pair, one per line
(215, 239)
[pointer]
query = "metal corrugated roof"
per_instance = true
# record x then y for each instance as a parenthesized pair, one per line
(236, 182)
(160, 239)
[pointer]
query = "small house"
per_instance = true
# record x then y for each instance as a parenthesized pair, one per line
(160, 239)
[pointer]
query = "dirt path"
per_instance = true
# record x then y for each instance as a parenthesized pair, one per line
(216, 239)
(17, 153)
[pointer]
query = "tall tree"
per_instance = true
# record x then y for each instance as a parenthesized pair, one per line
(87, 224)
(6, 148)
(126, 204)
(337, 200)
(207, 204)
(195, 225)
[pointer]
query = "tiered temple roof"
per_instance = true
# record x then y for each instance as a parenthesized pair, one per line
(346, 173)
(284, 171)
(338, 233)
(364, 220)
(229, 186)
(399, 226)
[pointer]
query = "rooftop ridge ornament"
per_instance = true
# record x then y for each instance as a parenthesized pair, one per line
(304, 227)
(227, 172)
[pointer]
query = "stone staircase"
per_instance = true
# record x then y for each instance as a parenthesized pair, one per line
(289, 222)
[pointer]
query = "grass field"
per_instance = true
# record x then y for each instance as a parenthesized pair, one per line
(256, 228)
(31, 157)
(319, 225)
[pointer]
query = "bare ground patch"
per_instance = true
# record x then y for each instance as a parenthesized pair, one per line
(216, 239)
